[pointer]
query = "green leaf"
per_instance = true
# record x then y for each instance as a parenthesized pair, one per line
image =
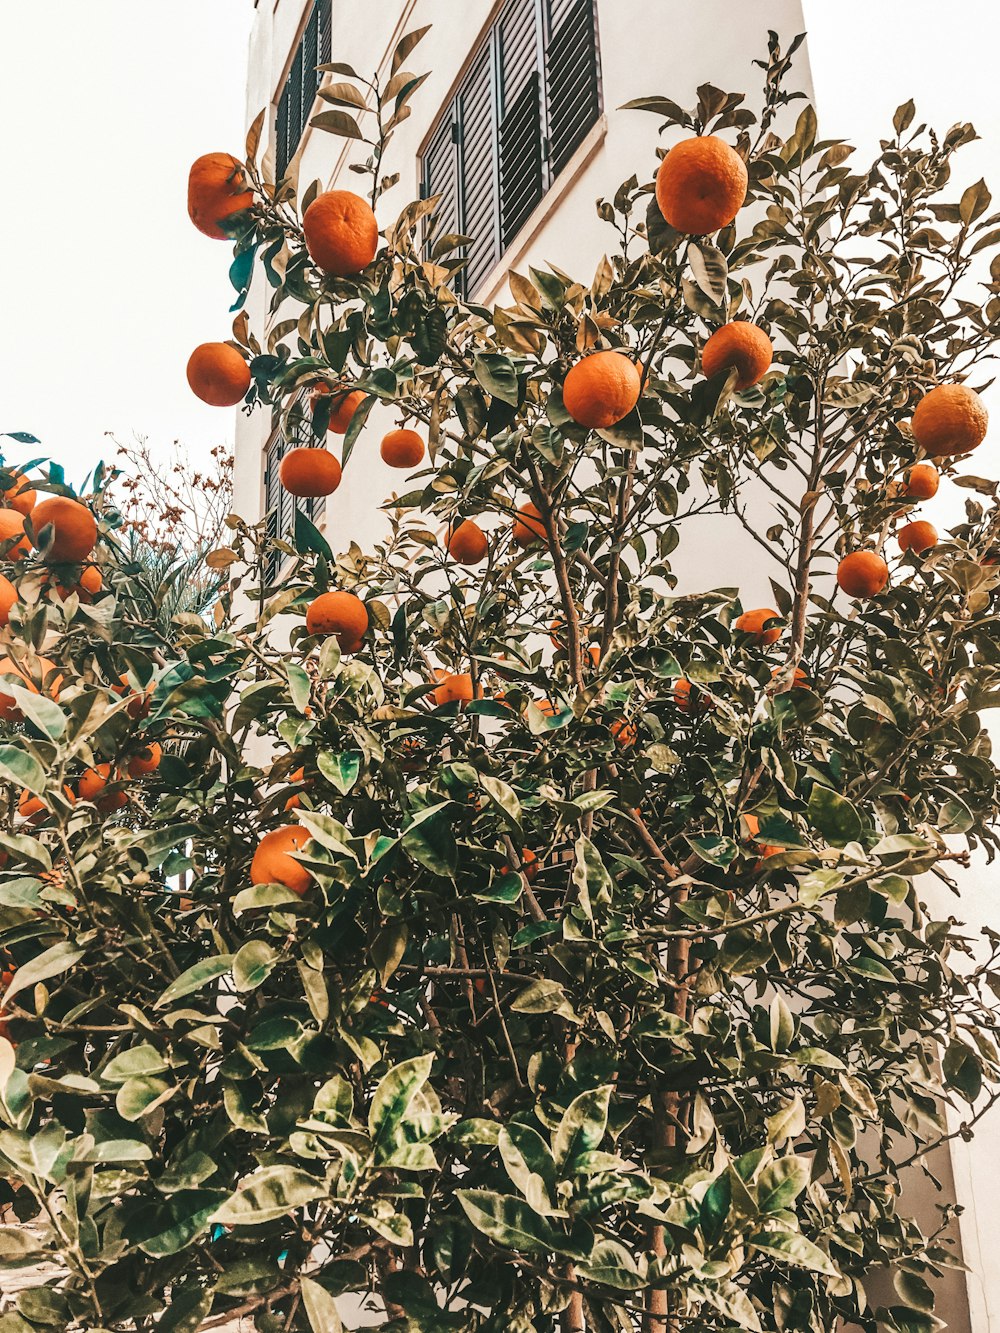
(46, 715)
(18, 1246)
(51, 963)
(307, 536)
(833, 816)
(781, 1183)
(582, 1126)
(134, 1063)
(511, 1223)
(253, 964)
(497, 376)
(200, 974)
(612, 1265)
(267, 1194)
(711, 272)
(393, 1098)
(186, 1312)
(789, 1247)
(22, 769)
(321, 1308)
(529, 1164)
(544, 997)
(504, 798)
(342, 770)
(299, 686)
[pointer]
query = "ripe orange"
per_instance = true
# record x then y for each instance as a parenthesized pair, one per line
(341, 233)
(273, 862)
(91, 581)
(92, 786)
(402, 448)
(8, 596)
(753, 828)
(11, 526)
(529, 866)
(217, 193)
(601, 389)
(339, 613)
(753, 622)
(918, 536)
(454, 687)
(691, 698)
(345, 404)
(529, 526)
(862, 574)
(218, 375)
(309, 472)
(20, 496)
(800, 681)
(467, 543)
(701, 185)
(146, 760)
(950, 419)
(29, 675)
(297, 777)
(34, 809)
(921, 482)
(738, 346)
(74, 529)
(138, 704)
(624, 733)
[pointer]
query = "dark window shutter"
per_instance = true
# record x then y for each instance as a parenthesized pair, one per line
(325, 8)
(520, 128)
(281, 151)
(441, 176)
(477, 172)
(572, 77)
(310, 59)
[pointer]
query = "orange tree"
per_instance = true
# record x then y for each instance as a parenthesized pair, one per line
(476, 923)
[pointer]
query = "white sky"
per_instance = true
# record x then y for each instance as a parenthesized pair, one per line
(106, 285)
(105, 103)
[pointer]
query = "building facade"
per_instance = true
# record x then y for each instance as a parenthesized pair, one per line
(518, 128)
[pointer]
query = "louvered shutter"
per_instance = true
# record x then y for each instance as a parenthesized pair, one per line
(281, 151)
(310, 59)
(520, 122)
(325, 8)
(572, 77)
(477, 170)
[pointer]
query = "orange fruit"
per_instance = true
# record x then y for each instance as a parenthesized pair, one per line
(34, 809)
(950, 419)
(701, 185)
(753, 828)
(624, 733)
(217, 193)
(467, 543)
(339, 613)
(800, 681)
(40, 670)
(738, 346)
(690, 698)
(309, 472)
(11, 526)
(341, 233)
(402, 448)
(146, 760)
(138, 704)
(862, 574)
(918, 536)
(299, 775)
(529, 526)
(345, 404)
(218, 375)
(8, 596)
(20, 496)
(92, 785)
(529, 866)
(921, 482)
(273, 862)
(74, 529)
(601, 389)
(454, 687)
(753, 622)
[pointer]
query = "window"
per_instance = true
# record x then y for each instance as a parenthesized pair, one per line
(526, 103)
(297, 97)
(279, 506)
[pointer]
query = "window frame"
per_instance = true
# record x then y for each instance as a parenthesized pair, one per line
(489, 41)
(295, 80)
